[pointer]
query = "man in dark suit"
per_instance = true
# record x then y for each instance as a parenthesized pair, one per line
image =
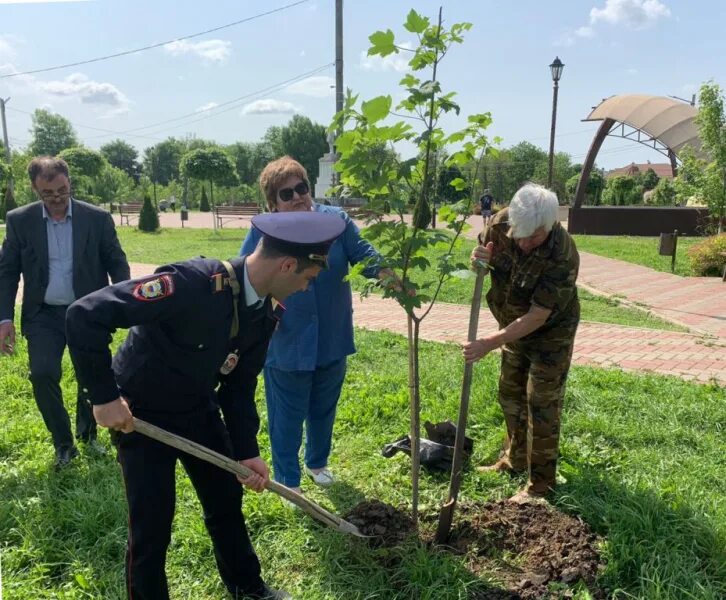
(64, 249)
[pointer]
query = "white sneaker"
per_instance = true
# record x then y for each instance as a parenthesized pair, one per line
(323, 478)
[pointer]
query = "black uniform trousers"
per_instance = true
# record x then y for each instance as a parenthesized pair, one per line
(46, 337)
(149, 473)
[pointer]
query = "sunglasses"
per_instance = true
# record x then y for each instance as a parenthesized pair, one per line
(286, 194)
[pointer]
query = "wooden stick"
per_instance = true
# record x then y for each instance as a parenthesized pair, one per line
(223, 462)
(446, 515)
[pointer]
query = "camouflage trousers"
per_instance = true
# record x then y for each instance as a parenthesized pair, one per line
(531, 390)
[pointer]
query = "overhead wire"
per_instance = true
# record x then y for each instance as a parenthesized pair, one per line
(157, 45)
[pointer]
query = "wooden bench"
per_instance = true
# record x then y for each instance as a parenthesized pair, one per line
(230, 213)
(129, 211)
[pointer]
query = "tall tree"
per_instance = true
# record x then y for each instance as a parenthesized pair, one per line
(50, 133)
(124, 156)
(83, 162)
(302, 139)
(161, 162)
(211, 164)
(711, 122)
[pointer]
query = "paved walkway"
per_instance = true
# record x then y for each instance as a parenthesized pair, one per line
(698, 303)
(689, 356)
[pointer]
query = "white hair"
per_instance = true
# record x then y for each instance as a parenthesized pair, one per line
(533, 206)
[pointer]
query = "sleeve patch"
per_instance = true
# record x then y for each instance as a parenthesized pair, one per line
(154, 289)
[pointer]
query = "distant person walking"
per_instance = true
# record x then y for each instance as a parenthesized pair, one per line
(486, 202)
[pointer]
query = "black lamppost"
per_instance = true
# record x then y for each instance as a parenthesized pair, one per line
(556, 68)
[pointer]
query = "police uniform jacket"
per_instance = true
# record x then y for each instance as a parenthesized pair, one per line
(317, 327)
(545, 277)
(178, 358)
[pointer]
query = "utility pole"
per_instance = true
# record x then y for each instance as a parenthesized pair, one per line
(339, 94)
(6, 144)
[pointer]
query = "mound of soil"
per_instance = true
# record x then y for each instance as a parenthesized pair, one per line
(386, 525)
(546, 547)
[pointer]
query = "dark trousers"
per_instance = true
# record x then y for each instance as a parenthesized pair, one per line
(46, 337)
(149, 473)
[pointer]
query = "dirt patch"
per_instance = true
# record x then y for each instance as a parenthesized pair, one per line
(386, 525)
(536, 550)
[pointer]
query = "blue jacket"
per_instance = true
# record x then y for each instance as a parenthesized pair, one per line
(317, 327)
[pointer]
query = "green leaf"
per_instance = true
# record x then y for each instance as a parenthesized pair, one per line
(458, 184)
(382, 43)
(409, 81)
(81, 581)
(415, 23)
(377, 108)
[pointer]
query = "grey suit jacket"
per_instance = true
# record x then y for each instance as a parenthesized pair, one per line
(97, 255)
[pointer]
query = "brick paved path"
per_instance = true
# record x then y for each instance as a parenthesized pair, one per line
(597, 344)
(698, 303)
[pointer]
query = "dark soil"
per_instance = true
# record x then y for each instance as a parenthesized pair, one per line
(386, 525)
(537, 550)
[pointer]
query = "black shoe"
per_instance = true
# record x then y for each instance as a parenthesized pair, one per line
(96, 448)
(268, 593)
(64, 455)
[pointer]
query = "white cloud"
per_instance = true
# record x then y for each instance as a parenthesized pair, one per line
(320, 86)
(7, 47)
(206, 107)
(585, 32)
(269, 106)
(210, 50)
(632, 13)
(87, 90)
(392, 62)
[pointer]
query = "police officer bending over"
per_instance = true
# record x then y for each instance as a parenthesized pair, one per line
(198, 335)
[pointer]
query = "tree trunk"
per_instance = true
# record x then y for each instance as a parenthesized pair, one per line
(415, 402)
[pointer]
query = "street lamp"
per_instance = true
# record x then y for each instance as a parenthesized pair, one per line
(556, 68)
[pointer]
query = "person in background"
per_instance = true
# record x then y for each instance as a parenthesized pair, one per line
(533, 296)
(64, 249)
(306, 362)
(486, 204)
(199, 333)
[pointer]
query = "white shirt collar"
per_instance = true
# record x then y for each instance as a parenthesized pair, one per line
(251, 295)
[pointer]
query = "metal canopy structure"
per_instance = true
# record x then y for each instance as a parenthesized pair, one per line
(664, 124)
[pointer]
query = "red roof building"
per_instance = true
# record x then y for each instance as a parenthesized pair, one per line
(662, 170)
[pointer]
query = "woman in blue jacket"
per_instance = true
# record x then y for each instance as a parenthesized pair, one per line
(306, 361)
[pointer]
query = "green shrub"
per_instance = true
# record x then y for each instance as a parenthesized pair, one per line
(204, 204)
(148, 217)
(705, 257)
(8, 203)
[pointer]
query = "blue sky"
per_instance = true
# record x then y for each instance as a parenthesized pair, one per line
(659, 47)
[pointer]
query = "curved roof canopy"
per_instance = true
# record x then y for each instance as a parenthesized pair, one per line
(670, 121)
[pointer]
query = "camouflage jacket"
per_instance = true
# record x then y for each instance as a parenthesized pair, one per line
(546, 277)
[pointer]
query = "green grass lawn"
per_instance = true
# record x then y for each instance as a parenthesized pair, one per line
(171, 245)
(639, 250)
(642, 463)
